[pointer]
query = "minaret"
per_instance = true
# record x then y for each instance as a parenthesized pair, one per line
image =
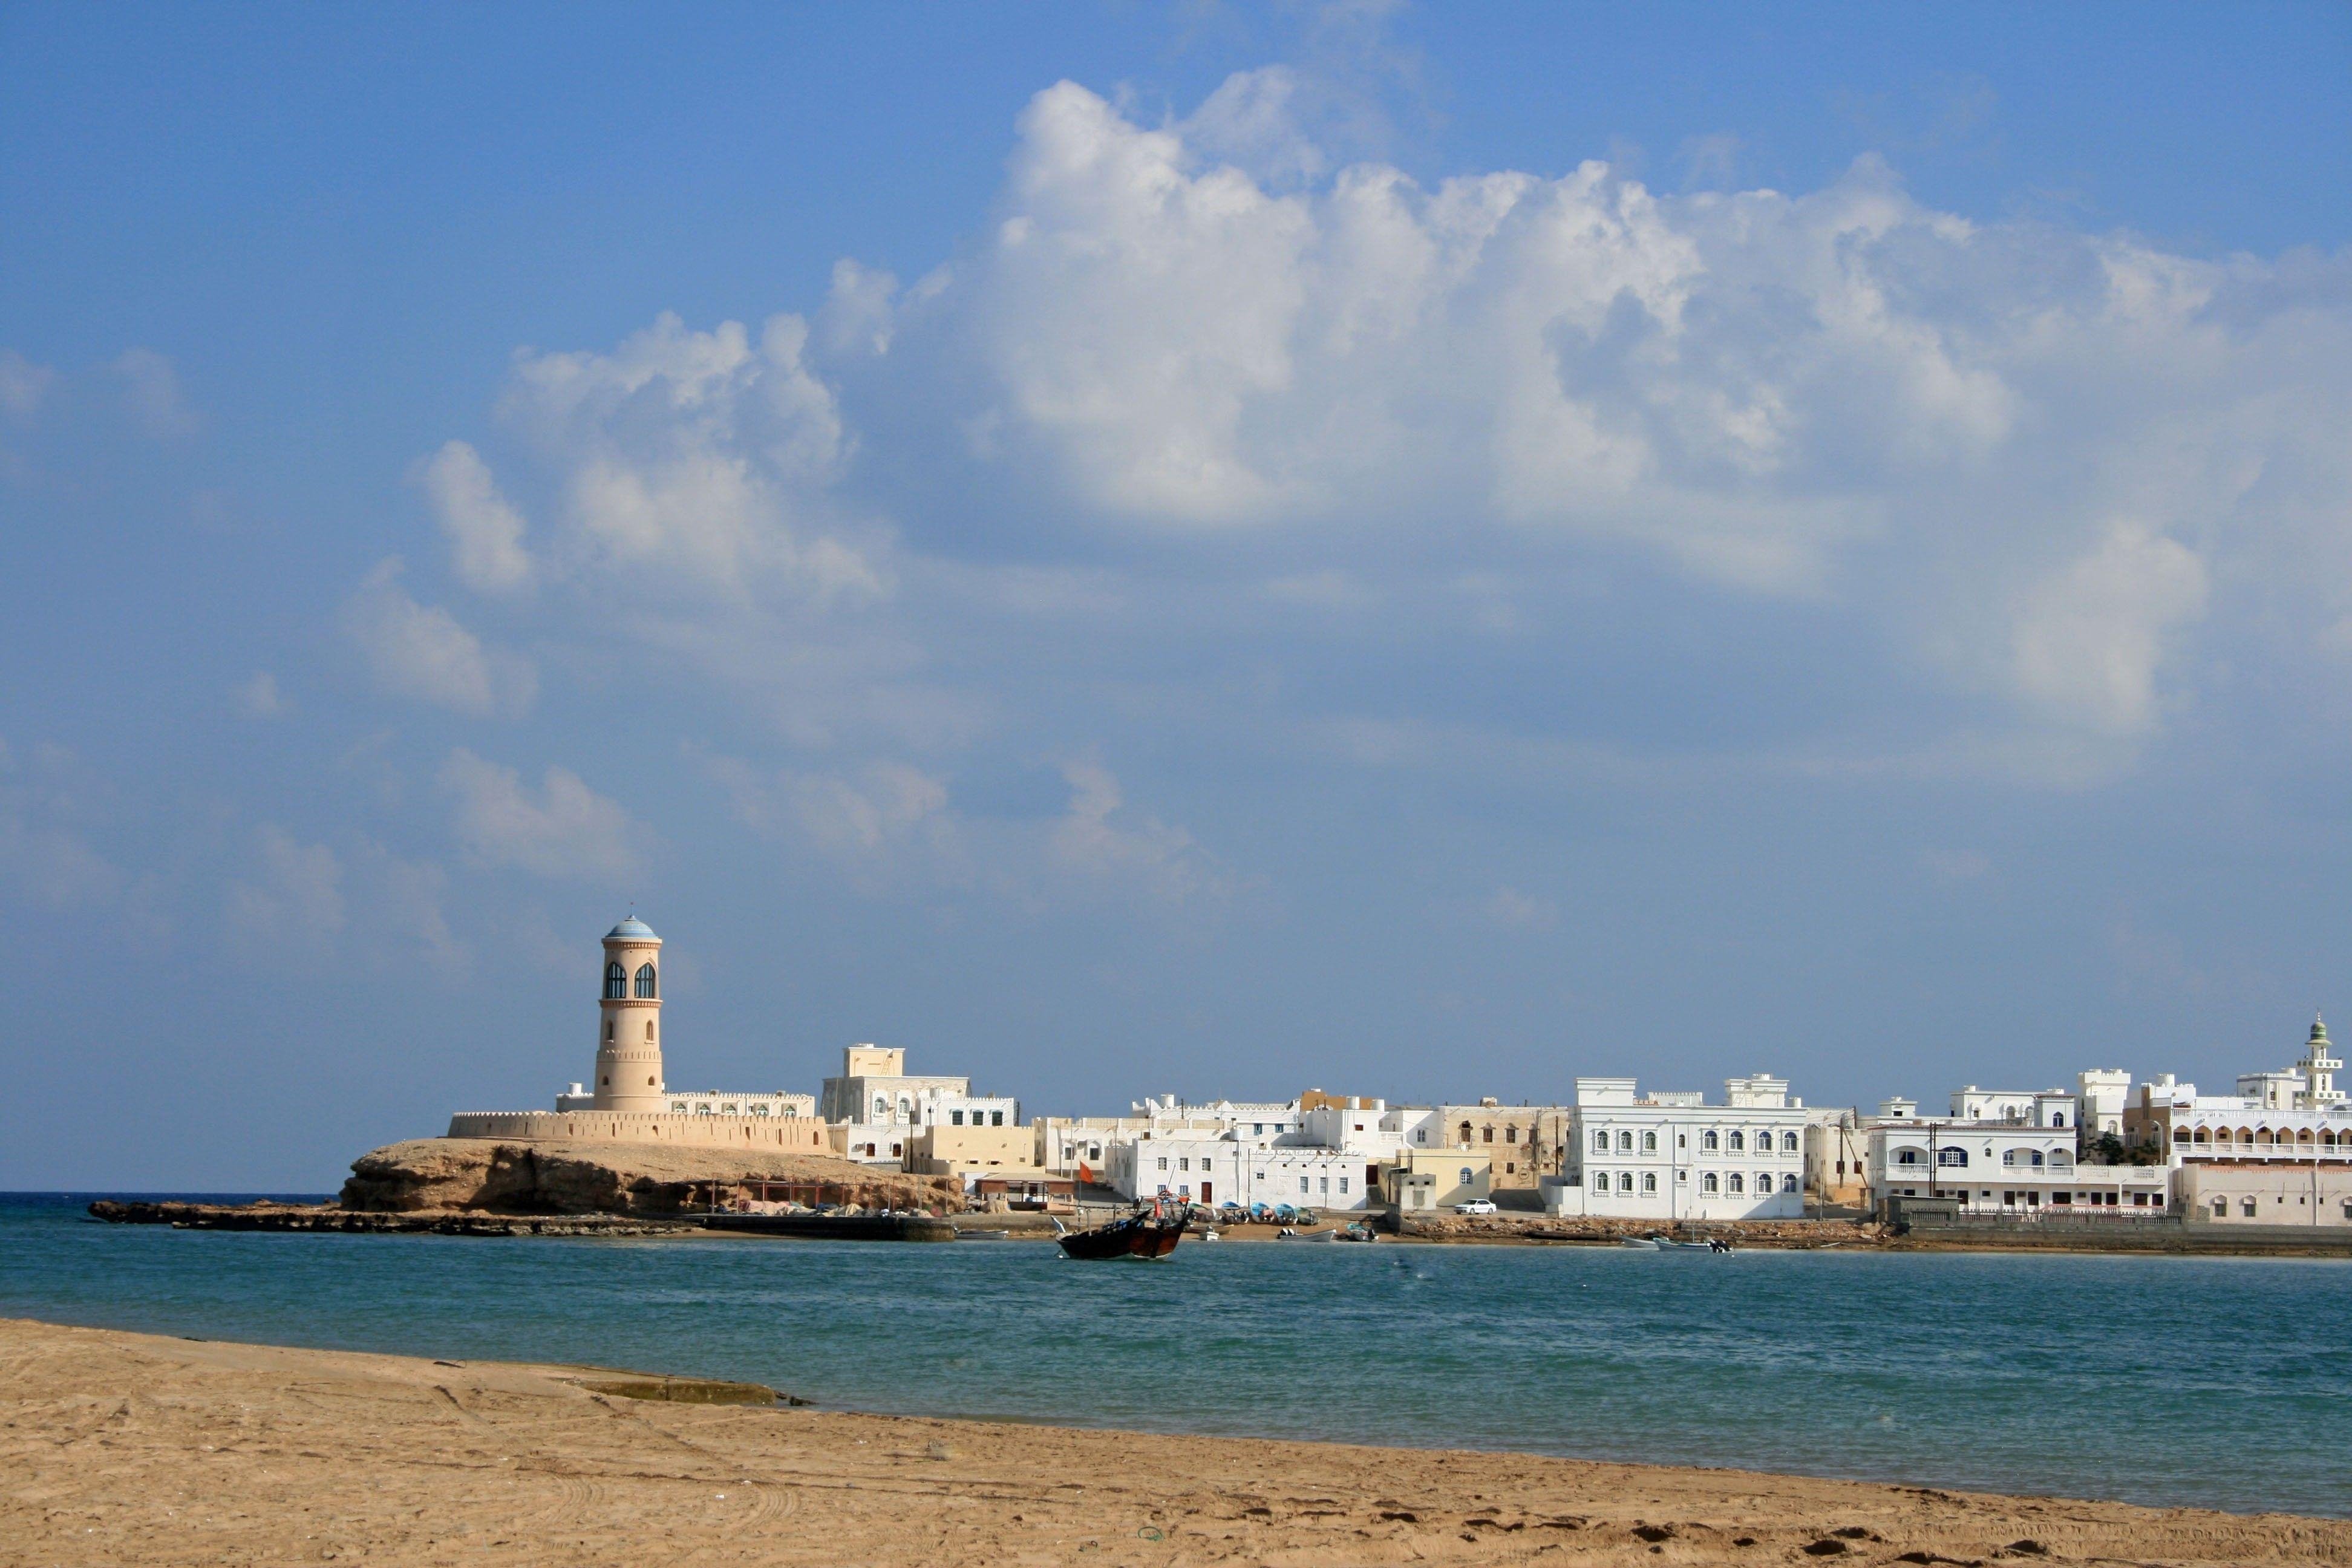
(2318, 1066)
(628, 1045)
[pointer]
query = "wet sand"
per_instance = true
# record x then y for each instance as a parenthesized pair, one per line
(120, 1449)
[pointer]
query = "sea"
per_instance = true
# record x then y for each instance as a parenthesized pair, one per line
(2221, 1383)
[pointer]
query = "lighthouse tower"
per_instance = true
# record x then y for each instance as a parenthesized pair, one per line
(628, 1046)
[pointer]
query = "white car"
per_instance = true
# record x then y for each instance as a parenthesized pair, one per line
(1476, 1205)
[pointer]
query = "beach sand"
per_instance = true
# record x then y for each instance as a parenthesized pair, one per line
(122, 1448)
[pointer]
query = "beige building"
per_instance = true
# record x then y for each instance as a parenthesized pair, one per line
(627, 1100)
(945, 1149)
(1424, 1181)
(1523, 1142)
(2266, 1192)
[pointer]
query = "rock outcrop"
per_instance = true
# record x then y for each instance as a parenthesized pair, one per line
(446, 1174)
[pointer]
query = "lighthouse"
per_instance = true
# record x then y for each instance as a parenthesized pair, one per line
(628, 1046)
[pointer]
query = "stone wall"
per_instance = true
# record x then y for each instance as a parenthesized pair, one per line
(768, 1135)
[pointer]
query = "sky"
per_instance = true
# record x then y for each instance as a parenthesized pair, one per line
(1420, 552)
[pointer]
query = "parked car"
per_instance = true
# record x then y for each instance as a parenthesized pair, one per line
(1476, 1205)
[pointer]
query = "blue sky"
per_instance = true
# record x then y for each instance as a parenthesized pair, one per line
(1420, 552)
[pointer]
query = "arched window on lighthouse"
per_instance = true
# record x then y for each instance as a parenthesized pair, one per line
(616, 982)
(645, 980)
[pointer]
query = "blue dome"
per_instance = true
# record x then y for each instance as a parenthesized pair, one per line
(632, 930)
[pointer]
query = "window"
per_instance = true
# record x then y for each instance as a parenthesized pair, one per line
(1624, 1181)
(1094, 1151)
(1788, 1143)
(1343, 1184)
(1649, 1181)
(1906, 1157)
(881, 1107)
(2058, 1119)
(1327, 1183)
(759, 1110)
(1489, 1133)
(1597, 1180)
(616, 982)
(1302, 1185)
(1510, 1134)
(2247, 1208)
(1163, 1161)
(1421, 1134)
(1466, 1176)
(649, 1028)
(955, 1118)
(1183, 1164)
(1649, 1142)
(1465, 1135)
(1707, 1184)
(678, 1108)
(1788, 1183)
(1599, 1142)
(1624, 1142)
(1951, 1154)
(608, 1030)
(645, 980)
(1739, 1182)
(1739, 1141)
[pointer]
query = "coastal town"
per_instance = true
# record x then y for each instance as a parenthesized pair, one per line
(2111, 1149)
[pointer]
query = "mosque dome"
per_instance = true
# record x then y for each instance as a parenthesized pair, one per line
(632, 930)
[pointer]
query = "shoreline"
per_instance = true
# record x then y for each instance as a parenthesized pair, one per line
(143, 1449)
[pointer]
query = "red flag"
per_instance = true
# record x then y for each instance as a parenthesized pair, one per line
(1085, 1175)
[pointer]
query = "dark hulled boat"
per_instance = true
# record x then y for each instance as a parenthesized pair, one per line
(1148, 1233)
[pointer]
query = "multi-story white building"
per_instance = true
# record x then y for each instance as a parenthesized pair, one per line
(2100, 1096)
(1224, 1168)
(874, 1106)
(1671, 1156)
(2003, 1166)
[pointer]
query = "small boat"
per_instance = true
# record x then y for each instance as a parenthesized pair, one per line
(1638, 1243)
(1360, 1232)
(1286, 1234)
(1210, 1236)
(983, 1236)
(1149, 1233)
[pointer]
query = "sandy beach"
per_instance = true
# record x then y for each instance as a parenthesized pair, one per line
(122, 1448)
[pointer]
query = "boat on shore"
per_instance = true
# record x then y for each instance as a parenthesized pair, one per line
(1149, 1233)
(1286, 1234)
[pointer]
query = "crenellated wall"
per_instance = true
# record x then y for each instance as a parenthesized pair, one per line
(791, 1135)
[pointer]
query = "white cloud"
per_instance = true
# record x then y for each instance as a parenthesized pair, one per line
(563, 829)
(696, 456)
(1507, 909)
(420, 652)
(296, 897)
(1103, 840)
(45, 855)
(260, 698)
(485, 531)
(2090, 638)
(23, 385)
(150, 392)
(1844, 396)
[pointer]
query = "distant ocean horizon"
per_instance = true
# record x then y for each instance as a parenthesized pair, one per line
(2216, 1383)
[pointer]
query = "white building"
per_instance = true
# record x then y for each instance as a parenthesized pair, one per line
(1228, 1169)
(1671, 1156)
(874, 1106)
(2003, 1166)
(2100, 1096)
(2016, 1107)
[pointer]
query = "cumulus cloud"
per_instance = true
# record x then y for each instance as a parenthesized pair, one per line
(2090, 638)
(485, 532)
(1103, 840)
(151, 393)
(696, 456)
(1842, 396)
(563, 829)
(260, 698)
(45, 855)
(421, 652)
(23, 385)
(294, 897)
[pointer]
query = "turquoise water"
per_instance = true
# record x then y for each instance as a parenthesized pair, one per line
(2205, 1381)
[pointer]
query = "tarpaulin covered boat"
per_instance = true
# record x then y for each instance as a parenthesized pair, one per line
(1151, 1232)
